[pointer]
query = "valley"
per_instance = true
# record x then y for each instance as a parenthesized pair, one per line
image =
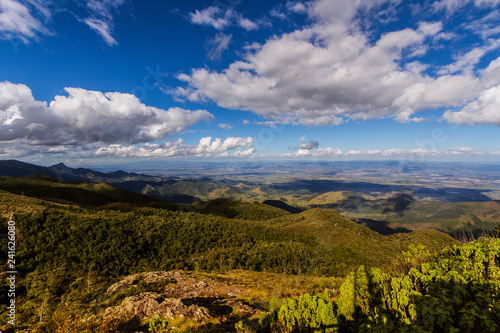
(387, 196)
(126, 251)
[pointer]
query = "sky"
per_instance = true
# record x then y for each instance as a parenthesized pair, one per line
(95, 82)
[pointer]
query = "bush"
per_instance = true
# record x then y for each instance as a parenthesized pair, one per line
(303, 313)
(457, 290)
(158, 324)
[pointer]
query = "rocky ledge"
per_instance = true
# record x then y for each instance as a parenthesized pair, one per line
(173, 295)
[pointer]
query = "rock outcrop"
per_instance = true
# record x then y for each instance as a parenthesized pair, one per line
(175, 294)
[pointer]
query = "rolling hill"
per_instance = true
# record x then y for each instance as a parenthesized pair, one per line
(76, 238)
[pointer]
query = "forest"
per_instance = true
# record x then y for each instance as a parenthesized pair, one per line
(324, 272)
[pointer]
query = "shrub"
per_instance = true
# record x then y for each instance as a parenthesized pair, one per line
(457, 290)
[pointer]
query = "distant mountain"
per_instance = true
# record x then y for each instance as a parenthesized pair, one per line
(61, 172)
(90, 175)
(15, 168)
(82, 194)
(181, 191)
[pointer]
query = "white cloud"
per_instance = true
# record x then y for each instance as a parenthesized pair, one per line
(484, 110)
(306, 149)
(220, 19)
(247, 24)
(102, 28)
(19, 19)
(101, 18)
(28, 18)
(490, 76)
(104, 8)
(310, 146)
(283, 11)
(296, 7)
(207, 147)
(342, 11)
(243, 153)
(461, 150)
(277, 12)
(452, 6)
(218, 45)
(329, 152)
(323, 74)
(487, 26)
(225, 126)
(466, 63)
(332, 70)
(208, 15)
(85, 116)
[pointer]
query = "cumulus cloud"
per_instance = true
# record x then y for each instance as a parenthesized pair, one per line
(221, 19)
(484, 110)
(239, 153)
(297, 7)
(330, 71)
(310, 146)
(304, 148)
(207, 147)
(307, 149)
(85, 116)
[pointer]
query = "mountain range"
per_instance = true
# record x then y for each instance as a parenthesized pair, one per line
(386, 208)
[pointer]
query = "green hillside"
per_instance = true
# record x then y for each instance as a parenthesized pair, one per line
(253, 211)
(83, 194)
(73, 240)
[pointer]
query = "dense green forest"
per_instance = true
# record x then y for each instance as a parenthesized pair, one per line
(74, 240)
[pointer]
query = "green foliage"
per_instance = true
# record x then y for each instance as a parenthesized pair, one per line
(253, 211)
(495, 232)
(158, 324)
(303, 313)
(455, 291)
(68, 253)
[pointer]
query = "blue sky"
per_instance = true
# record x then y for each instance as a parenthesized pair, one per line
(100, 81)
